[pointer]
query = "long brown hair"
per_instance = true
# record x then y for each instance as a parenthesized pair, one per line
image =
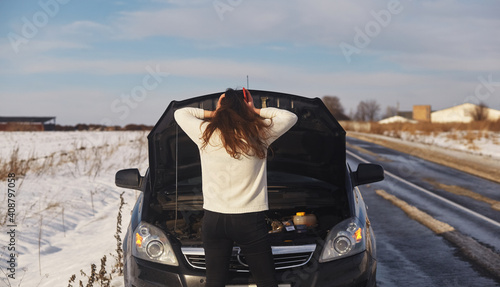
(242, 131)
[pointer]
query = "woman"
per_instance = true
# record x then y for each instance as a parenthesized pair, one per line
(233, 142)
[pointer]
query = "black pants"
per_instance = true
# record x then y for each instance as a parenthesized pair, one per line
(248, 230)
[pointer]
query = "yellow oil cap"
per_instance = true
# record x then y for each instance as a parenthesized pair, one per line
(301, 213)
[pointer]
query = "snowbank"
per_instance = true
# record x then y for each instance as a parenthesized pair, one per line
(396, 119)
(66, 214)
(483, 143)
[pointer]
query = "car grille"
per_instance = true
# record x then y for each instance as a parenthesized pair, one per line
(284, 257)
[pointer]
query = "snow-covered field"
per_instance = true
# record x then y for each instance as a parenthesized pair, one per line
(66, 206)
(485, 143)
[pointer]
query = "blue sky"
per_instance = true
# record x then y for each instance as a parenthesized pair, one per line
(121, 62)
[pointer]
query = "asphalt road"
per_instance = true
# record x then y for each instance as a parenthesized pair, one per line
(410, 250)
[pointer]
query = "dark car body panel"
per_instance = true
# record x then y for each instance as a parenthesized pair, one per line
(353, 271)
(309, 148)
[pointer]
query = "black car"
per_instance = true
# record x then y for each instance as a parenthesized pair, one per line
(318, 223)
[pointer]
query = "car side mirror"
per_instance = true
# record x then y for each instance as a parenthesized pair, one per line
(129, 178)
(368, 173)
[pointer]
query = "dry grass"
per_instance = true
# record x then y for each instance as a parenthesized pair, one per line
(422, 127)
(103, 277)
(82, 159)
(466, 133)
(13, 164)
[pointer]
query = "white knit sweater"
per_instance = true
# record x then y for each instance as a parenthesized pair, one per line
(232, 185)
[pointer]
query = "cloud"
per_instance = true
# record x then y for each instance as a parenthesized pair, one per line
(75, 35)
(434, 36)
(200, 68)
(37, 47)
(457, 35)
(448, 29)
(86, 29)
(446, 63)
(245, 22)
(415, 38)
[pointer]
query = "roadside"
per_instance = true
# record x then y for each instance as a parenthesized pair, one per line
(468, 246)
(472, 248)
(478, 165)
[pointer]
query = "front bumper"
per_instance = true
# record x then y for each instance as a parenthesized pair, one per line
(354, 271)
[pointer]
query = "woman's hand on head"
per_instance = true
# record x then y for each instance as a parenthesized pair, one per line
(210, 114)
(220, 99)
(250, 104)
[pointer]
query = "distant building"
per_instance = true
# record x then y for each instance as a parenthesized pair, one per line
(463, 113)
(422, 113)
(27, 123)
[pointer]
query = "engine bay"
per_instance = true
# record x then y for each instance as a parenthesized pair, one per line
(283, 229)
(298, 214)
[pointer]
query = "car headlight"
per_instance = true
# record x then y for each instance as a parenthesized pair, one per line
(151, 243)
(345, 239)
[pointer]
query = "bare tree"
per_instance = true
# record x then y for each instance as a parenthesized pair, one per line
(480, 112)
(335, 107)
(390, 111)
(367, 110)
(360, 114)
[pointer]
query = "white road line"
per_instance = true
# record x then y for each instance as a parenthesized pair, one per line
(496, 223)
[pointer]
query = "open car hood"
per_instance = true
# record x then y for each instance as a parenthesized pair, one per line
(314, 147)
